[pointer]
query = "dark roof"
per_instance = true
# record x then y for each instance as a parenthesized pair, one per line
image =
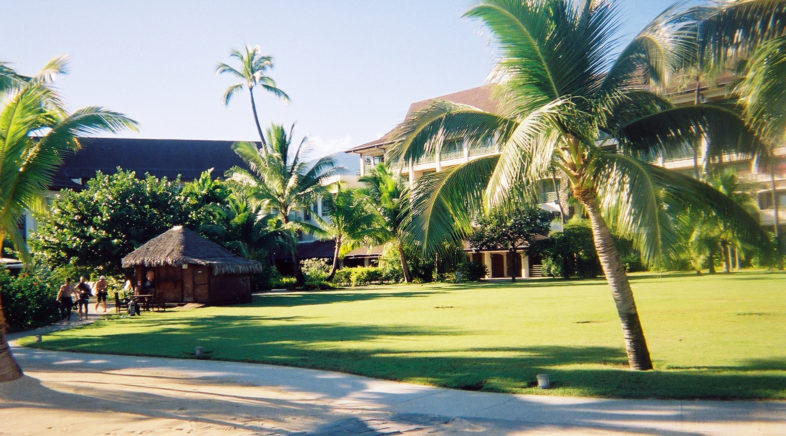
(481, 97)
(374, 251)
(181, 246)
(159, 157)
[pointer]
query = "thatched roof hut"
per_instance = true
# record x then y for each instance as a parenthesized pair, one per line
(189, 268)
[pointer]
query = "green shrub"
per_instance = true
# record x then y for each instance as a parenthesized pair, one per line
(471, 272)
(28, 301)
(316, 270)
(364, 275)
(343, 276)
(570, 252)
(286, 282)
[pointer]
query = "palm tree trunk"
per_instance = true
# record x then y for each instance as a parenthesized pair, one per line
(404, 267)
(335, 259)
(256, 119)
(776, 217)
(635, 343)
(9, 369)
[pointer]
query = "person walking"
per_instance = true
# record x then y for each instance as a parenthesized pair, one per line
(84, 297)
(102, 290)
(65, 300)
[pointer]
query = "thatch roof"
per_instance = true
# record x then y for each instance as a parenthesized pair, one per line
(180, 246)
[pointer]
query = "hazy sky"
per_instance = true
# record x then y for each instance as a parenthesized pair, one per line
(351, 67)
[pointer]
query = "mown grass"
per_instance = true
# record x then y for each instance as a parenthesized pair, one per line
(721, 336)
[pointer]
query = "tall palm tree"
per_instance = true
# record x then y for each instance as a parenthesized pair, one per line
(350, 221)
(252, 73)
(35, 133)
(571, 105)
(763, 98)
(388, 196)
(282, 182)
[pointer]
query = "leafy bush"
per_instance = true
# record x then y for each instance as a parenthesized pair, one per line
(571, 252)
(286, 282)
(28, 301)
(419, 266)
(316, 270)
(364, 275)
(343, 276)
(471, 272)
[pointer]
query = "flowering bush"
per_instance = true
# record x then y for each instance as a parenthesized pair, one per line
(28, 301)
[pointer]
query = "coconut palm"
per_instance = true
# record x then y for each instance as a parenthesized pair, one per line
(569, 104)
(280, 181)
(389, 197)
(252, 73)
(763, 98)
(350, 221)
(35, 133)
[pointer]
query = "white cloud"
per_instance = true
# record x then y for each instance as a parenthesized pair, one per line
(319, 146)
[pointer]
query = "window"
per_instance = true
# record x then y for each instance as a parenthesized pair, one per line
(379, 159)
(306, 214)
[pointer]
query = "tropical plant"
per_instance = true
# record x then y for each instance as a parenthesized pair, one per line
(570, 105)
(763, 98)
(252, 73)
(389, 198)
(35, 132)
(281, 182)
(96, 227)
(350, 221)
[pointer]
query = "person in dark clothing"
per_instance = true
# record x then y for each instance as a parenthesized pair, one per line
(65, 300)
(84, 296)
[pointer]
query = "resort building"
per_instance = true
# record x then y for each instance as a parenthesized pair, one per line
(454, 151)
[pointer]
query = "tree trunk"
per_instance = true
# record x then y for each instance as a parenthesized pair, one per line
(776, 217)
(256, 120)
(635, 343)
(335, 259)
(404, 267)
(9, 369)
(711, 257)
(726, 257)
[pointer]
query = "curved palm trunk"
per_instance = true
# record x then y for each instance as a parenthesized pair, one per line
(335, 259)
(635, 343)
(256, 119)
(404, 267)
(9, 369)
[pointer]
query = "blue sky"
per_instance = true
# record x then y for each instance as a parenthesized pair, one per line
(351, 67)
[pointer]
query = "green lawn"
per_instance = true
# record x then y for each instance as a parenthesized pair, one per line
(721, 336)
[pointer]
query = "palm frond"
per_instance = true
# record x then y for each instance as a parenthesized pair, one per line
(419, 133)
(671, 132)
(444, 203)
(762, 91)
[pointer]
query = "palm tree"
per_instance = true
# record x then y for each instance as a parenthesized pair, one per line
(350, 221)
(252, 73)
(763, 98)
(570, 105)
(391, 200)
(35, 133)
(280, 181)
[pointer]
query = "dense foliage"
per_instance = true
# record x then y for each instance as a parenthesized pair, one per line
(109, 219)
(570, 252)
(28, 301)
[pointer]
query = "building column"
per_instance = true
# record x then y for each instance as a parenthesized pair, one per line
(524, 265)
(362, 166)
(411, 173)
(487, 262)
(465, 145)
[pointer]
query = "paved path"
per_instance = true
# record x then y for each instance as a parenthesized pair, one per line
(75, 393)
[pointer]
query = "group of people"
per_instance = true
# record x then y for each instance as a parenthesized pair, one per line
(69, 296)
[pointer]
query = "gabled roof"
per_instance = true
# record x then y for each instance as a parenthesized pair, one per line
(481, 97)
(159, 157)
(181, 246)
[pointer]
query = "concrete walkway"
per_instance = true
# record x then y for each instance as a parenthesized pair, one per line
(75, 393)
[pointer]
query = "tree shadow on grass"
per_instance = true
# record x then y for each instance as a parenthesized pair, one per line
(294, 299)
(358, 349)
